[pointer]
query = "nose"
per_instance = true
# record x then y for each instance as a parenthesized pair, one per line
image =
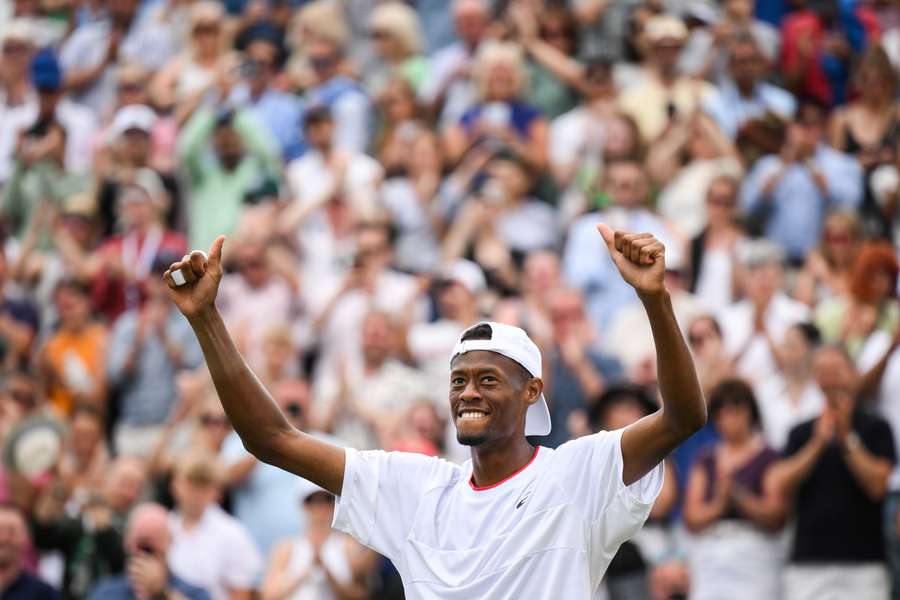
(470, 392)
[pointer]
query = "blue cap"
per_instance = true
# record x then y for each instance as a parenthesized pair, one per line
(46, 74)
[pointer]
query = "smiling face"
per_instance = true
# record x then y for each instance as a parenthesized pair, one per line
(489, 396)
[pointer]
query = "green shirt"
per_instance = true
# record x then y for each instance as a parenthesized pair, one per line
(216, 193)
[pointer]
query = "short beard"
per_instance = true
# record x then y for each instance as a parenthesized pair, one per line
(471, 440)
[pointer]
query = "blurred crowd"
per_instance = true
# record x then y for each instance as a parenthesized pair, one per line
(387, 174)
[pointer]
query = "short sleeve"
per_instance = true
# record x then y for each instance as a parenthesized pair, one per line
(880, 441)
(797, 438)
(591, 467)
(381, 494)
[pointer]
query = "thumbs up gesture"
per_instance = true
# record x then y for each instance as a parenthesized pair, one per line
(640, 258)
(194, 280)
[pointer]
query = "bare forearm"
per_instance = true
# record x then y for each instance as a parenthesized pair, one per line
(683, 405)
(702, 514)
(870, 472)
(790, 473)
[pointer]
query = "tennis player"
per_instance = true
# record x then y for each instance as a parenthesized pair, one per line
(516, 521)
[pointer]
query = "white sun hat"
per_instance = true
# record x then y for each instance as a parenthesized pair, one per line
(513, 343)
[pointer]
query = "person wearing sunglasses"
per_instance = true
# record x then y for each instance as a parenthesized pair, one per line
(264, 497)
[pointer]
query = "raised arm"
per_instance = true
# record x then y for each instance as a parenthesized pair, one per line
(254, 415)
(640, 258)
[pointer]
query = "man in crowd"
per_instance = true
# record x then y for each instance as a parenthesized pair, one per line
(16, 583)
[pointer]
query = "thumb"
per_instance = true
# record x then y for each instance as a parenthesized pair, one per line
(215, 251)
(609, 236)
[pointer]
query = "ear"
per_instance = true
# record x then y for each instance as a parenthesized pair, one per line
(533, 390)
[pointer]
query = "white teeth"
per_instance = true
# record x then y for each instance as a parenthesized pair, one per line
(471, 414)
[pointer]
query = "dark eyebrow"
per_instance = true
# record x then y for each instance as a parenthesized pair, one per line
(487, 369)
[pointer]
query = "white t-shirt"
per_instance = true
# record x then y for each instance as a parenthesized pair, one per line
(887, 400)
(218, 554)
(780, 414)
(548, 531)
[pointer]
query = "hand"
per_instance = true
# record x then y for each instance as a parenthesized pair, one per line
(825, 427)
(148, 576)
(640, 258)
(203, 275)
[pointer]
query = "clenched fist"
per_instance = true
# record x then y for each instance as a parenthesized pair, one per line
(201, 275)
(640, 258)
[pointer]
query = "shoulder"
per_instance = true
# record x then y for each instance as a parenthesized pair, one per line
(192, 592)
(110, 587)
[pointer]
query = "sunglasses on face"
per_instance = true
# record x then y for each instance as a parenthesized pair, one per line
(13, 48)
(294, 409)
(207, 29)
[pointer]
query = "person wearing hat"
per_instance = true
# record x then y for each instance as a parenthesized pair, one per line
(322, 563)
(516, 520)
(124, 261)
(664, 93)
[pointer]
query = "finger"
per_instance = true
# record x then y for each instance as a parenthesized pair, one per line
(608, 235)
(639, 250)
(198, 262)
(184, 266)
(655, 251)
(215, 251)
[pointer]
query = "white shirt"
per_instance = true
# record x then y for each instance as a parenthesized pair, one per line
(778, 412)
(757, 362)
(218, 554)
(548, 531)
(315, 585)
(888, 400)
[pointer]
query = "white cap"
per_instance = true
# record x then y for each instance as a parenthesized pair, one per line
(135, 116)
(466, 273)
(513, 343)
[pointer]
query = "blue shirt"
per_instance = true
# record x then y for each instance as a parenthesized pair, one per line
(119, 588)
(280, 113)
(730, 109)
(588, 266)
(794, 214)
(521, 117)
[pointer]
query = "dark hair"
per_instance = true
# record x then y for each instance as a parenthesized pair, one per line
(810, 333)
(733, 391)
(74, 285)
(618, 394)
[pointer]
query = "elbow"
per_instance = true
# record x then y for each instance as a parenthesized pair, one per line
(267, 446)
(687, 424)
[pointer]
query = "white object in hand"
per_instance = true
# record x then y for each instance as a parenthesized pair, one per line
(178, 276)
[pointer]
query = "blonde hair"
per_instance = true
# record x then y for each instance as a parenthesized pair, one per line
(401, 22)
(494, 54)
(325, 19)
(206, 10)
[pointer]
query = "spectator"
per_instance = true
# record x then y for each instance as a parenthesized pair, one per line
(343, 97)
(818, 41)
(90, 542)
(264, 497)
(704, 337)
(397, 41)
(729, 507)
(756, 324)
(90, 55)
(210, 549)
(871, 303)
(790, 396)
(578, 374)
(663, 93)
(826, 271)
(585, 259)
(279, 111)
(744, 96)
(19, 321)
(148, 347)
(788, 195)
(835, 477)
(15, 581)
(147, 543)
(73, 358)
(715, 250)
(124, 262)
(243, 155)
(500, 116)
(448, 90)
(322, 563)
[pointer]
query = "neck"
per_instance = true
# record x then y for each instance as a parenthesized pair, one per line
(740, 441)
(492, 463)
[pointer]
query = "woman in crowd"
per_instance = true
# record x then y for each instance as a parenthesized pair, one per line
(322, 564)
(397, 40)
(204, 72)
(704, 336)
(728, 507)
(826, 272)
(870, 304)
(714, 266)
(501, 117)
